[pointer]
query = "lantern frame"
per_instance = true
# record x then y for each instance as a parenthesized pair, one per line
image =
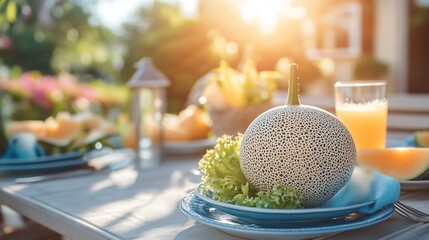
(148, 78)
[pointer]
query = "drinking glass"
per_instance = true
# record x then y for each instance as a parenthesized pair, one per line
(362, 107)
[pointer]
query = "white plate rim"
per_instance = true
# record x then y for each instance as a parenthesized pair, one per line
(189, 146)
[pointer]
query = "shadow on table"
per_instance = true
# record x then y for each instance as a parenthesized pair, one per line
(122, 201)
(202, 232)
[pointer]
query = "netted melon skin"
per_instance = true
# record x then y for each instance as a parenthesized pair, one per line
(304, 147)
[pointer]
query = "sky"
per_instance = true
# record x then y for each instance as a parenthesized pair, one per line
(113, 13)
(264, 14)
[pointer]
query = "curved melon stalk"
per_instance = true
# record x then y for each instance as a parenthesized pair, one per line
(399, 163)
(293, 90)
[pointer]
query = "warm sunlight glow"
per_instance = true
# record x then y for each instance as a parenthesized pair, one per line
(265, 14)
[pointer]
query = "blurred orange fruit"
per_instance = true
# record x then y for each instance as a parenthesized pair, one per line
(190, 124)
(215, 97)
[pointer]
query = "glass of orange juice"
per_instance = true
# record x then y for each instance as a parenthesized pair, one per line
(362, 107)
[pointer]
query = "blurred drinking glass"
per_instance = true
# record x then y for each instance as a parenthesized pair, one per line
(362, 107)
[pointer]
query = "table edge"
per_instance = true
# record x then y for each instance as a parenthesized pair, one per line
(52, 217)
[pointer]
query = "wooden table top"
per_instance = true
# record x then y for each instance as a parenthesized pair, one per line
(130, 204)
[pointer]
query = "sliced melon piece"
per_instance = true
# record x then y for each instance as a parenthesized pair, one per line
(399, 163)
(104, 130)
(35, 127)
(88, 120)
(60, 131)
(422, 138)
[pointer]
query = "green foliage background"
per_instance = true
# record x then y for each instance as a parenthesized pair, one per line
(63, 38)
(179, 47)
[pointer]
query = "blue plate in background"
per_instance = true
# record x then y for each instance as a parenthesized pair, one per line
(54, 163)
(44, 159)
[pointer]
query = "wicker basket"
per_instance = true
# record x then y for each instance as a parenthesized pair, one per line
(232, 120)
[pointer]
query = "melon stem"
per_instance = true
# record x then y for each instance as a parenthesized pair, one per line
(293, 91)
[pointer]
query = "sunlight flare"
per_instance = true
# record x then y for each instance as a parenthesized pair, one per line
(266, 14)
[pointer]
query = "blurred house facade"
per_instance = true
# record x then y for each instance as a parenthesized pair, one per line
(391, 34)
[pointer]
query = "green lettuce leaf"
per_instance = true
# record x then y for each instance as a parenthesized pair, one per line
(224, 181)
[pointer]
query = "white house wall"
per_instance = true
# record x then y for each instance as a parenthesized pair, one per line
(391, 40)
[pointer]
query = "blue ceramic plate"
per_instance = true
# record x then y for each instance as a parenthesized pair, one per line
(304, 214)
(205, 213)
(58, 162)
(42, 167)
(44, 159)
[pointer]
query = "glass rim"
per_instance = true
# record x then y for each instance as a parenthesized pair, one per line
(366, 83)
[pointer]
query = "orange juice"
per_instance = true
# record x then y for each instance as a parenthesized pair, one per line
(367, 123)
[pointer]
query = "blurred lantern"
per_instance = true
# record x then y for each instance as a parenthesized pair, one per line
(149, 103)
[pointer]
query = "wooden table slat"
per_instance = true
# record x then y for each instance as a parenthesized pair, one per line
(144, 205)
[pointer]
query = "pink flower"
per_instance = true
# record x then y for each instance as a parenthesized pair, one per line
(68, 85)
(38, 89)
(56, 93)
(88, 92)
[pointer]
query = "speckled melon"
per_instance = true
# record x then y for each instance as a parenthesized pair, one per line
(304, 147)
